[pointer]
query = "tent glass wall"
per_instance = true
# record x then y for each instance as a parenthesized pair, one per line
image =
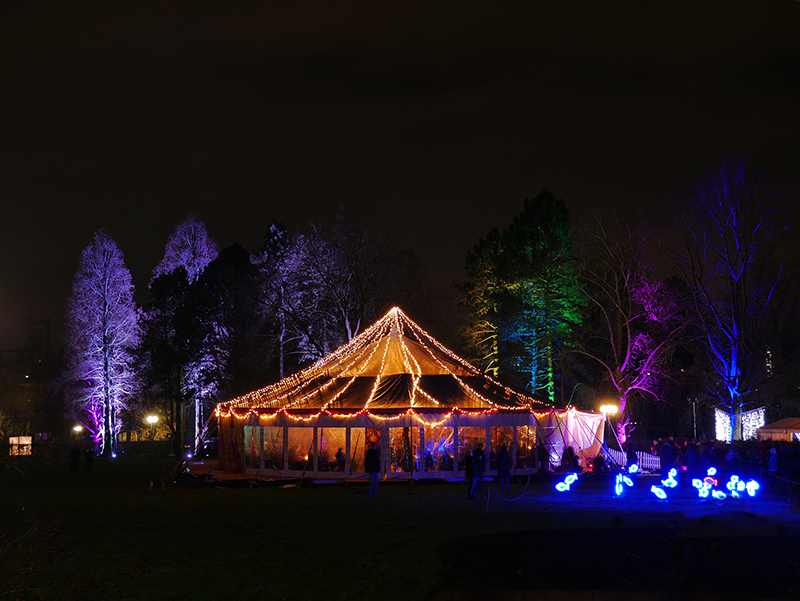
(273, 447)
(526, 447)
(469, 439)
(403, 450)
(252, 457)
(438, 453)
(498, 438)
(332, 444)
(300, 448)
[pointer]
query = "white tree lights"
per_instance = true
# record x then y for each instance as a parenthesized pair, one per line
(102, 331)
(751, 422)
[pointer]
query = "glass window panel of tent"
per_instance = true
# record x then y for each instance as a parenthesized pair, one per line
(469, 438)
(273, 447)
(359, 439)
(526, 447)
(501, 436)
(438, 452)
(300, 448)
(252, 457)
(332, 445)
(403, 450)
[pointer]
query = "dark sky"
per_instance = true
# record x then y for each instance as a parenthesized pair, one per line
(443, 116)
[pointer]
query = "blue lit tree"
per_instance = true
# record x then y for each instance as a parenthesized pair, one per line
(101, 337)
(734, 227)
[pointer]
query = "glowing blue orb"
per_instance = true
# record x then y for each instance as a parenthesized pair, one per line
(712, 471)
(562, 487)
(752, 486)
(718, 494)
(632, 469)
(697, 483)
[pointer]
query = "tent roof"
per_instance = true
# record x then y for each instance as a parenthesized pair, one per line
(787, 423)
(394, 364)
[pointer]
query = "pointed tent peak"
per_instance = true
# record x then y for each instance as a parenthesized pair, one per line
(394, 346)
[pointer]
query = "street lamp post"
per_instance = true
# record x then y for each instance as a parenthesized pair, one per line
(607, 410)
(152, 420)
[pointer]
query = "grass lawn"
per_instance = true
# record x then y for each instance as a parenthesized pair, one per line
(105, 535)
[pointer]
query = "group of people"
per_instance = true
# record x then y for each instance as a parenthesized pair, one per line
(751, 458)
(75, 458)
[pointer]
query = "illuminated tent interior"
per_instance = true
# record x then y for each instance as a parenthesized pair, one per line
(787, 429)
(398, 387)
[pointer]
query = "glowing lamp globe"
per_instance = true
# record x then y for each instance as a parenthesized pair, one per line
(151, 419)
(78, 428)
(609, 409)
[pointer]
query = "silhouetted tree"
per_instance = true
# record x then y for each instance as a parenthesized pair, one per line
(188, 252)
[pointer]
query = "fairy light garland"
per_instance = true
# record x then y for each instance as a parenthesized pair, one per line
(289, 394)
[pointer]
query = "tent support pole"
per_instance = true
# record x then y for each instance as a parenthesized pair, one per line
(315, 450)
(514, 450)
(286, 448)
(347, 450)
(421, 454)
(260, 446)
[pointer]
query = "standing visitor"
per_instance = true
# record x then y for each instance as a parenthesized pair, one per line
(88, 458)
(372, 463)
(74, 458)
(543, 457)
(504, 469)
(480, 466)
(469, 472)
(667, 458)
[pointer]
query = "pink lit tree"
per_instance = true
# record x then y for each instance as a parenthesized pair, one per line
(101, 336)
(635, 319)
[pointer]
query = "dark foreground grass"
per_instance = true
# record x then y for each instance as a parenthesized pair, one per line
(105, 535)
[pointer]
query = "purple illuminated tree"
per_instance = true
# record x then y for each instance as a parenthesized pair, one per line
(101, 336)
(635, 320)
(734, 229)
(189, 247)
(189, 250)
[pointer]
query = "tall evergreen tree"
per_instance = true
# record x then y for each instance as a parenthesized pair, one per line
(541, 275)
(523, 296)
(101, 336)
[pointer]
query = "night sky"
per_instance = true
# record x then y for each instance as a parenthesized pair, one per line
(442, 116)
